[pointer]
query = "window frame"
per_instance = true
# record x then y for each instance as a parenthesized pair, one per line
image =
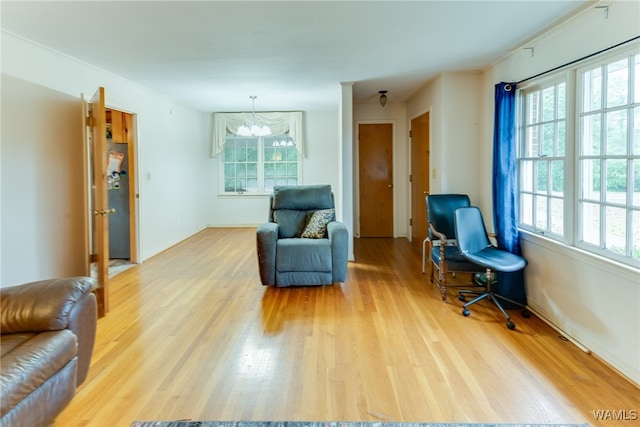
(573, 173)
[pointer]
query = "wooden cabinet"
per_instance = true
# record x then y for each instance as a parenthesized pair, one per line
(121, 126)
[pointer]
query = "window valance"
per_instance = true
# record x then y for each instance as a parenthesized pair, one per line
(279, 123)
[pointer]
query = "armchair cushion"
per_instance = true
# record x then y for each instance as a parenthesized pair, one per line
(290, 222)
(303, 255)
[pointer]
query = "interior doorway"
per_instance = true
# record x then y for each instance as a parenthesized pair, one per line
(121, 189)
(375, 177)
(419, 178)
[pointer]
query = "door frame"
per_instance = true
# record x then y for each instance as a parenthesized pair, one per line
(356, 175)
(409, 119)
(134, 182)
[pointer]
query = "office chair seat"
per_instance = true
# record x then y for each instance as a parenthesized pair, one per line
(497, 260)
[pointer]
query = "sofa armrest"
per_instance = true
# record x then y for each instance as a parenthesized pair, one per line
(45, 305)
(339, 240)
(266, 239)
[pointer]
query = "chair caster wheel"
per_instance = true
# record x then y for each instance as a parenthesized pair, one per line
(511, 325)
(466, 312)
(461, 297)
(526, 313)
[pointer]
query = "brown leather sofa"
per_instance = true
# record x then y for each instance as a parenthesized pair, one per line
(47, 335)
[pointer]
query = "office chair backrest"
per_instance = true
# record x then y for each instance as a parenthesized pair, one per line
(440, 209)
(472, 236)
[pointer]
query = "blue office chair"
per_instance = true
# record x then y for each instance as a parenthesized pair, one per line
(475, 246)
(445, 255)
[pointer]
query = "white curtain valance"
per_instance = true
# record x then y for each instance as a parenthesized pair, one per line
(279, 123)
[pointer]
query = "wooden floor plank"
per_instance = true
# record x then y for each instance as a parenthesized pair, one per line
(193, 335)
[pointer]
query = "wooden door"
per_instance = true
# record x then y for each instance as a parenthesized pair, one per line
(419, 178)
(375, 154)
(97, 133)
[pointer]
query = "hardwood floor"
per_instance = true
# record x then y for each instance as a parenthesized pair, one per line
(192, 334)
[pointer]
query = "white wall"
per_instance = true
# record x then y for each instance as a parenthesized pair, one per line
(320, 165)
(42, 187)
(594, 301)
(453, 100)
(394, 113)
(172, 153)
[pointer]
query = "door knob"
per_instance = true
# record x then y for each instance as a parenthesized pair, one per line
(105, 212)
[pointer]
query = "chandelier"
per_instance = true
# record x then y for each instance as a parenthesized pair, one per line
(253, 129)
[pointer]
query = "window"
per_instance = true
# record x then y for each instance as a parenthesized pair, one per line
(542, 160)
(253, 165)
(583, 187)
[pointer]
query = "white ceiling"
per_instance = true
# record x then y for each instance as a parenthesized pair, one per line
(212, 55)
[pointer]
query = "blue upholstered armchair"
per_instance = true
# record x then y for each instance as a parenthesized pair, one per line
(302, 244)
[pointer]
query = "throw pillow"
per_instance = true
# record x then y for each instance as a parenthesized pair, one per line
(317, 226)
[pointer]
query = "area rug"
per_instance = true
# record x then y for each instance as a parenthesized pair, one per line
(192, 423)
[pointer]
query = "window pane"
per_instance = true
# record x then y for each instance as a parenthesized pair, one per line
(592, 90)
(617, 132)
(562, 102)
(636, 127)
(241, 170)
(531, 145)
(229, 184)
(635, 217)
(562, 137)
(591, 223)
(557, 177)
(541, 212)
(548, 104)
(617, 83)
(292, 154)
(591, 135)
(269, 170)
(292, 181)
(532, 108)
(241, 153)
(526, 175)
(252, 153)
(252, 184)
(268, 184)
(293, 169)
(548, 143)
(252, 170)
(241, 184)
(636, 182)
(526, 209)
(590, 179)
(616, 181)
(229, 150)
(557, 216)
(229, 170)
(542, 176)
(616, 221)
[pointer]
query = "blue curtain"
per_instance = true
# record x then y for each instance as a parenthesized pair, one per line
(505, 188)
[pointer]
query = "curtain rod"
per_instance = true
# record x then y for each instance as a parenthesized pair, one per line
(579, 59)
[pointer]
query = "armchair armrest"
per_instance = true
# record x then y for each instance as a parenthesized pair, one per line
(339, 240)
(50, 305)
(438, 234)
(45, 305)
(266, 238)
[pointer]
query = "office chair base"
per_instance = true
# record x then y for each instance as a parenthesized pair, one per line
(494, 297)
